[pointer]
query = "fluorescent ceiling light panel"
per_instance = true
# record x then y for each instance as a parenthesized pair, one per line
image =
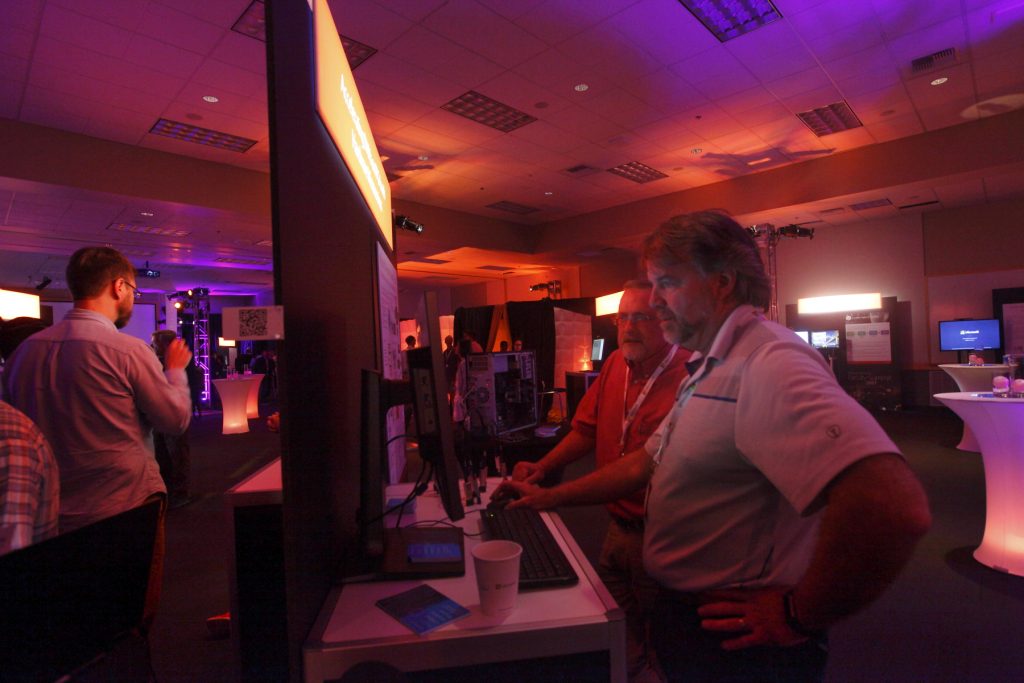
(607, 304)
(833, 118)
(356, 52)
(18, 305)
(491, 113)
(839, 303)
(201, 136)
(728, 19)
(637, 172)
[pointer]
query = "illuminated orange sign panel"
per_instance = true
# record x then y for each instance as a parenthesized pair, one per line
(337, 102)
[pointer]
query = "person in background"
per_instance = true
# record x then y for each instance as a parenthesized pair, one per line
(173, 453)
(620, 411)
(29, 482)
(410, 342)
(776, 505)
(517, 345)
(502, 346)
(97, 394)
(12, 333)
(265, 364)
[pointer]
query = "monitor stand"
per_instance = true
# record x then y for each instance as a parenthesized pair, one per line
(423, 553)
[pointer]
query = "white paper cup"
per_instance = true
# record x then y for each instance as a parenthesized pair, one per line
(497, 575)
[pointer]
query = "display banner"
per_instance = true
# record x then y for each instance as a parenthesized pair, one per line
(341, 110)
(868, 343)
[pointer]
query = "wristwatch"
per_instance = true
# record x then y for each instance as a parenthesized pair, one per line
(793, 619)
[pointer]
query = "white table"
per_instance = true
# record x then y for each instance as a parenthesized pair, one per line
(973, 378)
(998, 424)
(236, 395)
(545, 623)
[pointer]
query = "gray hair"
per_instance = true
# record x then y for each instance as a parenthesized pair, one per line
(712, 242)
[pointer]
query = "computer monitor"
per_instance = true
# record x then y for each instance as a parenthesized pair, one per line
(597, 350)
(825, 339)
(426, 391)
(969, 335)
(803, 334)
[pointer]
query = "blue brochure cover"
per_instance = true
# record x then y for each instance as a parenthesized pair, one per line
(422, 609)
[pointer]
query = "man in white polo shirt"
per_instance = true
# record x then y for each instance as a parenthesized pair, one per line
(776, 505)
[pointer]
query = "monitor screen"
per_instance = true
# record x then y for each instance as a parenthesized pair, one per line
(803, 334)
(825, 339)
(968, 335)
(597, 350)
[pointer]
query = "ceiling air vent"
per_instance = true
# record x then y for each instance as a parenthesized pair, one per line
(500, 269)
(873, 204)
(580, 170)
(829, 212)
(512, 207)
(637, 172)
(830, 119)
(919, 204)
(491, 113)
(937, 60)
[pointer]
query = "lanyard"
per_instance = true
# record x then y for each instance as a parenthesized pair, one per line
(630, 415)
(686, 390)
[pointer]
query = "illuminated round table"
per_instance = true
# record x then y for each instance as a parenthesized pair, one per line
(998, 424)
(239, 401)
(973, 378)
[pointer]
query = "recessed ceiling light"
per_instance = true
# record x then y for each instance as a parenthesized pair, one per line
(147, 214)
(212, 99)
(581, 87)
(549, 193)
(696, 150)
(940, 80)
(423, 157)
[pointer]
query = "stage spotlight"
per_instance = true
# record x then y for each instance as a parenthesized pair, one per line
(539, 286)
(406, 223)
(177, 305)
(45, 283)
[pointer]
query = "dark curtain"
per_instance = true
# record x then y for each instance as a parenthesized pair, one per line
(476, 321)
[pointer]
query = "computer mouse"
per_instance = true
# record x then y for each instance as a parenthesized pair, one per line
(502, 497)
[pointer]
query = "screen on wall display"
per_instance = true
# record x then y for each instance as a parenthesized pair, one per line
(597, 351)
(968, 335)
(825, 339)
(803, 334)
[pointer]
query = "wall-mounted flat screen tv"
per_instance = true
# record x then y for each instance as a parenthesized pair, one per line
(968, 335)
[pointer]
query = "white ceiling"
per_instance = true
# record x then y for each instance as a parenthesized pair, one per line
(662, 91)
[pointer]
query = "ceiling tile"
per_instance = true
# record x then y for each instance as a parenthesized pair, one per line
(619, 106)
(70, 27)
(899, 19)
(391, 103)
(666, 30)
(554, 22)
(523, 94)
(829, 47)
(996, 28)
(894, 127)
(438, 55)
(666, 92)
(177, 28)
(927, 41)
(223, 76)
(828, 18)
(222, 12)
(545, 135)
(458, 127)
(15, 42)
(772, 52)
(386, 70)
(368, 22)
(10, 98)
(242, 51)
(966, 191)
(800, 82)
(162, 57)
(484, 32)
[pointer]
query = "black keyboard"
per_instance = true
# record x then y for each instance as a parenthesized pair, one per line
(543, 564)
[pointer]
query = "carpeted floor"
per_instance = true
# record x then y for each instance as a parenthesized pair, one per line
(947, 618)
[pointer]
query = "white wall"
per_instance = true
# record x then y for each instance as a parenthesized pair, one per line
(884, 256)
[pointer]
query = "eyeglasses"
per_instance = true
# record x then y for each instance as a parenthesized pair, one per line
(135, 290)
(623, 319)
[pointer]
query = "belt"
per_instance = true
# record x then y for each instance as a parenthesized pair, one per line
(629, 524)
